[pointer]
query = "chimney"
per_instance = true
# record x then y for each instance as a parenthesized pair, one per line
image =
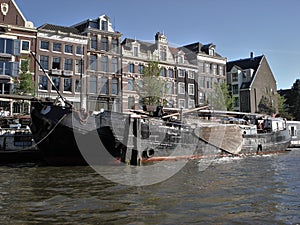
(251, 55)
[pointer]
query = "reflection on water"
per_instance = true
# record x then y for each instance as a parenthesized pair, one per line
(254, 190)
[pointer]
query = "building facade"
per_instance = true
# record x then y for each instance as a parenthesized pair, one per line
(176, 70)
(211, 69)
(250, 80)
(61, 52)
(103, 67)
(17, 39)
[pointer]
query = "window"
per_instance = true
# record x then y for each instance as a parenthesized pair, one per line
(93, 85)
(130, 84)
(43, 83)
(202, 82)
(214, 69)
(79, 50)
(77, 85)
(181, 103)
(131, 102)
(104, 25)
(207, 67)
(191, 74)
(181, 73)
(94, 42)
(114, 65)
(135, 51)
(211, 51)
(115, 45)
(68, 84)
(9, 68)
(180, 59)
(191, 104)
(104, 85)
(236, 102)
(56, 63)
(202, 68)
(201, 98)
(104, 63)
(163, 53)
(78, 66)
(25, 45)
(163, 72)
(170, 88)
(68, 64)
(56, 47)
(10, 46)
(140, 69)
(93, 62)
(44, 45)
(191, 89)
(170, 73)
(69, 49)
(221, 70)
(115, 86)
(235, 77)
(235, 89)
(208, 83)
(44, 61)
(104, 43)
(181, 88)
(56, 82)
(131, 68)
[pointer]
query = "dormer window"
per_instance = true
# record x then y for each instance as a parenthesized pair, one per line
(211, 51)
(163, 53)
(104, 25)
(135, 51)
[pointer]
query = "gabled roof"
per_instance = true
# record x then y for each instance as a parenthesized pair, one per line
(248, 63)
(63, 29)
(243, 64)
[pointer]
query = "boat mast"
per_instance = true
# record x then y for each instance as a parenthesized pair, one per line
(82, 84)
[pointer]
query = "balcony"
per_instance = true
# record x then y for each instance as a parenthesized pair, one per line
(68, 73)
(56, 72)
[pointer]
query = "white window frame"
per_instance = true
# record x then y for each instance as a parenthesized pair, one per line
(191, 89)
(22, 46)
(181, 86)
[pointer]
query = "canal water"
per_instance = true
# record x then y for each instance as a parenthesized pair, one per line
(238, 190)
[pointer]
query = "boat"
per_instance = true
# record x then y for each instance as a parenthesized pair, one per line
(67, 136)
(294, 130)
(16, 141)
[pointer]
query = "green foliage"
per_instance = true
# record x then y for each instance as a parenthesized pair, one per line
(265, 106)
(220, 98)
(152, 89)
(283, 107)
(24, 83)
(295, 100)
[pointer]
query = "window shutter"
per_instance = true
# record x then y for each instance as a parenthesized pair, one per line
(17, 45)
(14, 69)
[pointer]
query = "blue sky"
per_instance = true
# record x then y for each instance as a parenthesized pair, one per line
(236, 27)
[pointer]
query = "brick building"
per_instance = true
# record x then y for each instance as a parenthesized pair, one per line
(17, 39)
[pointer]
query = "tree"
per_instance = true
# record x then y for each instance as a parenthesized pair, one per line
(152, 88)
(220, 98)
(283, 108)
(24, 81)
(265, 106)
(295, 100)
